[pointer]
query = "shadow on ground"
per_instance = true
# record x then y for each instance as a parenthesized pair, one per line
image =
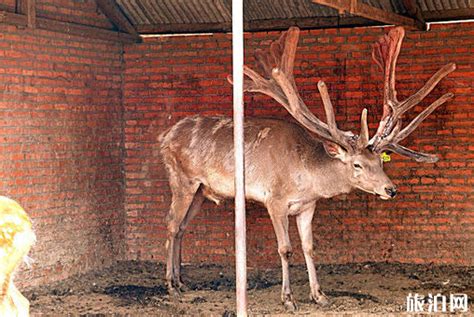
(139, 288)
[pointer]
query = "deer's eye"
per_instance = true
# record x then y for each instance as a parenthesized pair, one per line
(357, 166)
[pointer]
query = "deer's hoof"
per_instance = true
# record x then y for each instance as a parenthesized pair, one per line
(290, 303)
(183, 287)
(290, 306)
(174, 292)
(320, 299)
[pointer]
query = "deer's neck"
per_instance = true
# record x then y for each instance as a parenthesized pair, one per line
(330, 178)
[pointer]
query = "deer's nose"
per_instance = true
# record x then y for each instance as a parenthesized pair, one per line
(391, 191)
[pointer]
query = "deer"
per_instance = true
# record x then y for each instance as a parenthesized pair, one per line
(289, 166)
(16, 239)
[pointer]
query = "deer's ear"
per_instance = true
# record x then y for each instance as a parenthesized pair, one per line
(335, 151)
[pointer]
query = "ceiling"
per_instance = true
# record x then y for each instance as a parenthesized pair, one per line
(190, 16)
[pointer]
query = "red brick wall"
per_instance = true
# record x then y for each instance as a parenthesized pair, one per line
(8, 5)
(432, 220)
(82, 12)
(60, 150)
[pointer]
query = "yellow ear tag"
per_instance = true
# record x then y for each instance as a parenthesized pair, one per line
(385, 157)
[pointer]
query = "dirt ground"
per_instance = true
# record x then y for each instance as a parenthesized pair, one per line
(138, 288)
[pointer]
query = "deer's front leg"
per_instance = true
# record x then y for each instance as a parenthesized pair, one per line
(280, 225)
(303, 221)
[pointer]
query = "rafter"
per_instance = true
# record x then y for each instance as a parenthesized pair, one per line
(414, 10)
(357, 7)
(66, 27)
(116, 16)
(256, 26)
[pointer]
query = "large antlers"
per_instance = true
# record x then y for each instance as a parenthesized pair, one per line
(385, 53)
(278, 82)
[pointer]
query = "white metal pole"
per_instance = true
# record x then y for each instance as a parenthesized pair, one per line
(239, 181)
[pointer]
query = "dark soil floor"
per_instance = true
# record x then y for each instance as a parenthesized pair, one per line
(138, 288)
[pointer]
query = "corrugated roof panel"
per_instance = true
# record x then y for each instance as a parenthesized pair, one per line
(144, 7)
(194, 12)
(281, 9)
(162, 12)
(136, 5)
(158, 15)
(225, 9)
(131, 11)
(213, 11)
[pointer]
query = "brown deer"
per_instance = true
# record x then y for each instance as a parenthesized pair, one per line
(288, 169)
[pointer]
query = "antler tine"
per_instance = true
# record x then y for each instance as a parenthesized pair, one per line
(330, 117)
(289, 51)
(298, 109)
(388, 49)
(416, 98)
(364, 130)
(417, 156)
(422, 116)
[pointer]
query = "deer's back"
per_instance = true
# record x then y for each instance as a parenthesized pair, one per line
(278, 155)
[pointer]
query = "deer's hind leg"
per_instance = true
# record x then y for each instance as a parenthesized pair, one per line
(192, 211)
(183, 196)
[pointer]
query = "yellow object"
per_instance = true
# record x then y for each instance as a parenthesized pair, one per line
(16, 239)
(385, 157)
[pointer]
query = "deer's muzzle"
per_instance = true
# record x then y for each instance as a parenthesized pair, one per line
(391, 191)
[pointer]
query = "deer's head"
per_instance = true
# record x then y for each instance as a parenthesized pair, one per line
(361, 156)
(363, 169)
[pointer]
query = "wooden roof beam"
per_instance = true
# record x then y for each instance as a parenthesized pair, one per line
(13, 19)
(27, 8)
(113, 12)
(21, 20)
(414, 10)
(357, 7)
(256, 26)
